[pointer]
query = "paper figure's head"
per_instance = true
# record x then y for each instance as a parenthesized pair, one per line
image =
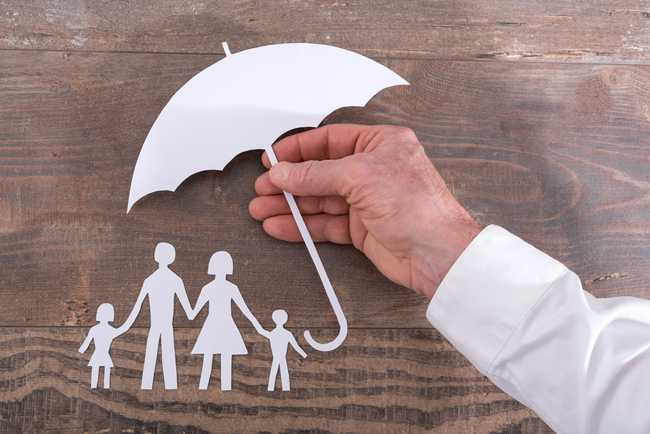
(220, 264)
(105, 312)
(279, 317)
(164, 254)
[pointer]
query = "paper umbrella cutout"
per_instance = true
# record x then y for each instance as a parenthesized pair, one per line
(245, 102)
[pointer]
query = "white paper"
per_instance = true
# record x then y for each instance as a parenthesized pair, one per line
(245, 102)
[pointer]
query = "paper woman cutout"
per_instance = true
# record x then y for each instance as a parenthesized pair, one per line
(219, 334)
(245, 102)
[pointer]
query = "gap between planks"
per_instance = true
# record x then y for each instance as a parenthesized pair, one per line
(369, 53)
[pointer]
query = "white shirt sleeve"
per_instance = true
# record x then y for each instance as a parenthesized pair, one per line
(523, 320)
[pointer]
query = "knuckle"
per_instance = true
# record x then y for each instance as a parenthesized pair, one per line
(402, 134)
(361, 169)
(407, 139)
(382, 133)
(406, 134)
(362, 177)
(401, 139)
(304, 172)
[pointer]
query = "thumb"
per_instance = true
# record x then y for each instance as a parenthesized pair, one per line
(311, 178)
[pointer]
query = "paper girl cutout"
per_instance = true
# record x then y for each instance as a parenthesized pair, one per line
(230, 107)
(102, 335)
(280, 339)
(219, 334)
(162, 287)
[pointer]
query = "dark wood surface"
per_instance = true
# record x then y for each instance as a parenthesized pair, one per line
(537, 113)
(596, 31)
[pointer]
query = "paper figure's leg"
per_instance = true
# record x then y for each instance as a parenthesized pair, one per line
(107, 377)
(94, 376)
(150, 357)
(169, 358)
(284, 375)
(206, 371)
(273, 375)
(226, 372)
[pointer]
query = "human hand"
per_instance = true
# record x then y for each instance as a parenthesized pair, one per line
(374, 187)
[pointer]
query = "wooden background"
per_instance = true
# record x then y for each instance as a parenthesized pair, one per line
(537, 113)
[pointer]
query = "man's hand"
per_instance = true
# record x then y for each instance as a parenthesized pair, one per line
(374, 187)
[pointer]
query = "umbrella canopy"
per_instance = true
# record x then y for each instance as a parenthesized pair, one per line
(245, 102)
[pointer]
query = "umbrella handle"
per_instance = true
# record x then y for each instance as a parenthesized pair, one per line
(329, 290)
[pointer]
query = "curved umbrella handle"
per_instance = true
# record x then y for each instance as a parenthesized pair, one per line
(329, 290)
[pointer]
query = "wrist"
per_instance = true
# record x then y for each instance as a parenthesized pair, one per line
(439, 250)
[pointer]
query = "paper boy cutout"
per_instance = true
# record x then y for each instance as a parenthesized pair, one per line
(280, 339)
(245, 102)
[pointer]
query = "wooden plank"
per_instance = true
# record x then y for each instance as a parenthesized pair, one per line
(397, 381)
(557, 153)
(601, 31)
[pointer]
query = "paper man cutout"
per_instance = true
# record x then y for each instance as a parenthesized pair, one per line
(219, 334)
(162, 287)
(245, 102)
(280, 339)
(102, 335)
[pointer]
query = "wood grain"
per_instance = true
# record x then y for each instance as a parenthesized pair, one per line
(601, 31)
(567, 173)
(537, 113)
(389, 381)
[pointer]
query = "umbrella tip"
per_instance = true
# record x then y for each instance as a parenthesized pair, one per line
(225, 48)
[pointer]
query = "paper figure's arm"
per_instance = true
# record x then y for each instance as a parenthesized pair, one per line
(86, 342)
(294, 344)
(241, 304)
(202, 300)
(185, 302)
(123, 328)
(134, 312)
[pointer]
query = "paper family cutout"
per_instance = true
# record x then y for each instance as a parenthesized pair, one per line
(219, 334)
(243, 102)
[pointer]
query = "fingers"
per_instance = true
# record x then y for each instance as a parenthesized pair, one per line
(324, 143)
(315, 178)
(264, 207)
(322, 227)
(264, 186)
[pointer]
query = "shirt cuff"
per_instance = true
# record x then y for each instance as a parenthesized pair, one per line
(489, 291)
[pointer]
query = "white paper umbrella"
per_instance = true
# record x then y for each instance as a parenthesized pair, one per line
(245, 102)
